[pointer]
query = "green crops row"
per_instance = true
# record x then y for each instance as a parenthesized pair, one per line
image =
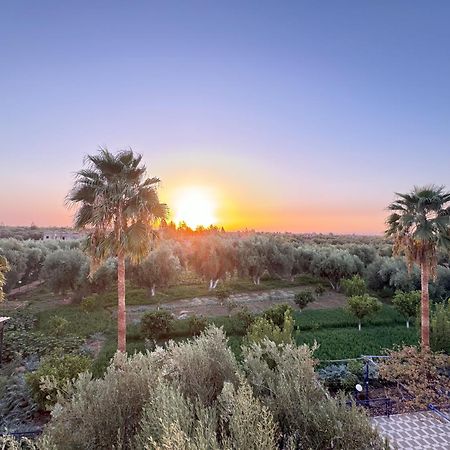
(341, 343)
(340, 318)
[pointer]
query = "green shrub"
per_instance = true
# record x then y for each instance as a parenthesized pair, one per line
(319, 290)
(283, 378)
(262, 329)
(91, 303)
(104, 413)
(337, 376)
(440, 328)
(58, 325)
(156, 324)
(354, 286)
(200, 367)
(197, 324)
(304, 298)
(277, 313)
(53, 374)
(222, 294)
(242, 320)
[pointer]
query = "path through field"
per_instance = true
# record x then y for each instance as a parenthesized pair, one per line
(256, 302)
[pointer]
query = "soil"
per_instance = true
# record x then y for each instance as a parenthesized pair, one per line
(256, 302)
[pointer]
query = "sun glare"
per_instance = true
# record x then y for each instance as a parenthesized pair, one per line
(195, 206)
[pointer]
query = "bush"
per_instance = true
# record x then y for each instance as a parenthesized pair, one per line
(58, 325)
(104, 413)
(440, 328)
(242, 319)
(354, 286)
(424, 374)
(262, 329)
(53, 374)
(91, 303)
(337, 377)
(277, 313)
(222, 294)
(304, 298)
(283, 378)
(201, 367)
(319, 290)
(156, 324)
(197, 324)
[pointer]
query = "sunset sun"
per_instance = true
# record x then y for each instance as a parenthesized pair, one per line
(195, 206)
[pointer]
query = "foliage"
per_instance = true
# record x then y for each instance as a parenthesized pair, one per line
(362, 306)
(21, 339)
(335, 264)
(341, 343)
(304, 298)
(53, 374)
(91, 303)
(242, 319)
(58, 325)
(117, 205)
(262, 329)
(105, 413)
(420, 225)
(17, 407)
(197, 324)
(440, 328)
(337, 377)
(422, 373)
(192, 395)
(354, 286)
(4, 268)
(277, 313)
(319, 290)
(156, 324)
(222, 294)
(283, 378)
(407, 303)
(62, 269)
(160, 268)
(201, 367)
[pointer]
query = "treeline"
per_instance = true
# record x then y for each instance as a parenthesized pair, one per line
(216, 256)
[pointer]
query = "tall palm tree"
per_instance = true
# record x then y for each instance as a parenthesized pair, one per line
(419, 224)
(117, 205)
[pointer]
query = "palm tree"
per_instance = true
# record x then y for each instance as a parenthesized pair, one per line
(419, 225)
(4, 267)
(117, 205)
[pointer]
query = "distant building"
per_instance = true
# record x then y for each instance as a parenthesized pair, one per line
(61, 235)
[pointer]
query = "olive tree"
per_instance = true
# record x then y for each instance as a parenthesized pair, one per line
(160, 268)
(62, 269)
(213, 258)
(335, 264)
(252, 258)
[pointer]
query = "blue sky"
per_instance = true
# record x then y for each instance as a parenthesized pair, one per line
(306, 116)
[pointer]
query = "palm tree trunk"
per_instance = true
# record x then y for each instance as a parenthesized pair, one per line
(121, 311)
(425, 307)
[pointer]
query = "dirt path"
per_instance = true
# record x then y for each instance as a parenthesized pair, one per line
(256, 302)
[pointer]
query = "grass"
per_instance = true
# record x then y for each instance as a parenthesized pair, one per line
(341, 343)
(81, 324)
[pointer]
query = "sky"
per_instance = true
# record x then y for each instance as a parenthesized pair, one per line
(288, 116)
